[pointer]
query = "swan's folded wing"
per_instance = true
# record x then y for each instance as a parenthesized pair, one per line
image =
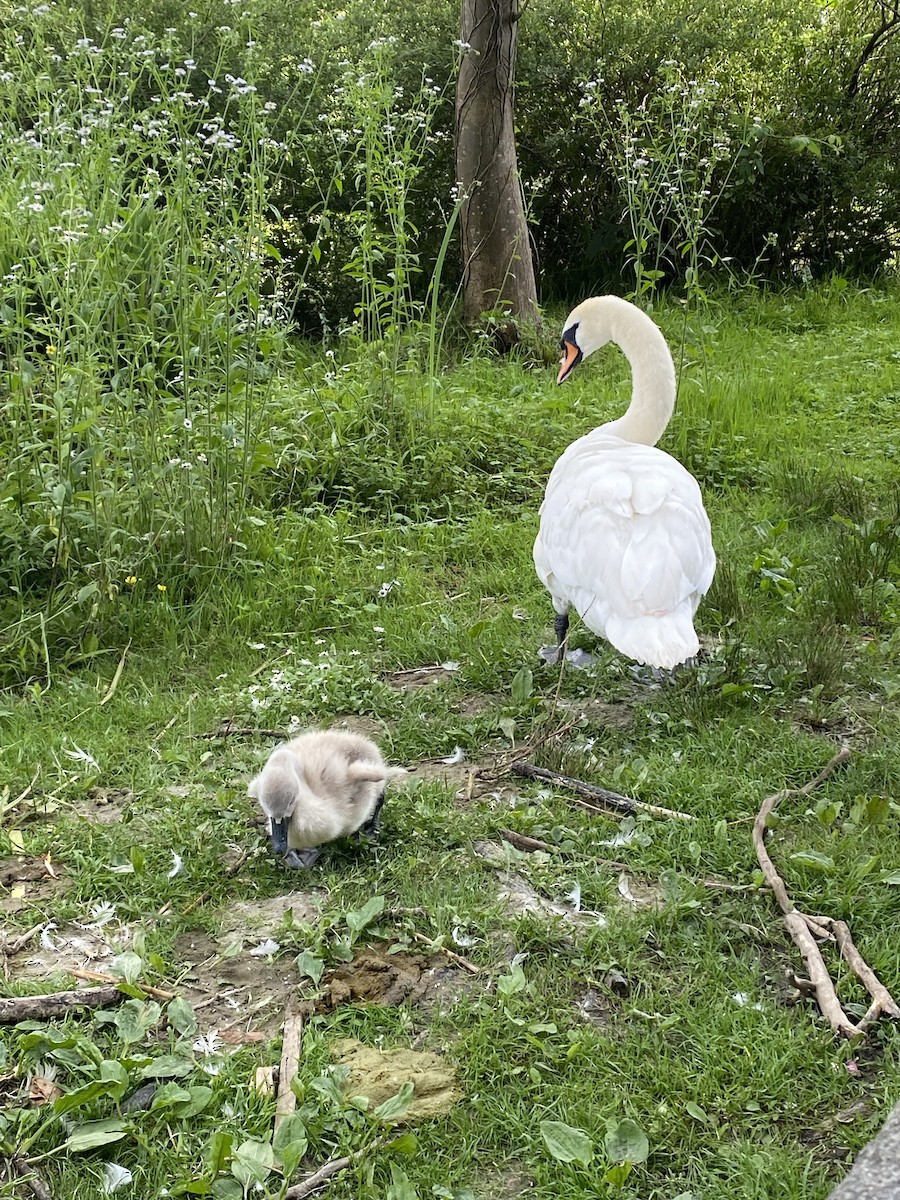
(623, 530)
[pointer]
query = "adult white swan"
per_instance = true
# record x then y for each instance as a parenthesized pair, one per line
(624, 538)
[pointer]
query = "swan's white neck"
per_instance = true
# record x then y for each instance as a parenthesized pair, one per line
(611, 319)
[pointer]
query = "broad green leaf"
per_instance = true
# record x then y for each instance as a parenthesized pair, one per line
(218, 1152)
(407, 1143)
(169, 1095)
(84, 1095)
(400, 1187)
(617, 1174)
(695, 1111)
(135, 1019)
(167, 1066)
(180, 1015)
(514, 982)
(522, 685)
(357, 921)
(290, 1143)
(626, 1141)
(252, 1162)
(112, 1072)
(396, 1107)
(310, 965)
(128, 965)
(892, 877)
(96, 1133)
(227, 1189)
(199, 1097)
(565, 1143)
(814, 860)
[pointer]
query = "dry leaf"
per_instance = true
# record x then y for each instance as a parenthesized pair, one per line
(17, 841)
(43, 1091)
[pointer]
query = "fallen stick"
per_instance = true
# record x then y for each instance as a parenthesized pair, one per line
(286, 1101)
(29, 1177)
(312, 1183)
(102, 977)
(611, 799)
(227, 730)
(35, 1008)
(522, 842)
(16, 945)
(805, 928)
(452, 955)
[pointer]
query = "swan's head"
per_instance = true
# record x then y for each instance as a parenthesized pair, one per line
(279, 788)
(585, 330)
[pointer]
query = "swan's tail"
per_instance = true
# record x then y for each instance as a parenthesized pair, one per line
(661, 642)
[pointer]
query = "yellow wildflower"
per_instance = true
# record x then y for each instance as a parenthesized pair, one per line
(131, 580)
(161, 587)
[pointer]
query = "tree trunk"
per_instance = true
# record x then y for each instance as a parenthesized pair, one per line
(497, 264)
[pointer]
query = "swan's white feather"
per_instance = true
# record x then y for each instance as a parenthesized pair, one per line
(624, 540)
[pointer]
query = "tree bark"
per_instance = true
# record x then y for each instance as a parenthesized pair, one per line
(498, 271)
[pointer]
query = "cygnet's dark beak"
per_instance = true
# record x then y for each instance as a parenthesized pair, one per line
(279, 836)
(571, 355)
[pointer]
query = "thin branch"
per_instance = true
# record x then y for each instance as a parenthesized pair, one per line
(452, 955)
(290, 1064)
(334, 1166)
(805, 929)
(623, 804)
(102, 977)
(30, 1178)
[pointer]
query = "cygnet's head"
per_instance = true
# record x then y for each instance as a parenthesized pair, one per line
(278, 789)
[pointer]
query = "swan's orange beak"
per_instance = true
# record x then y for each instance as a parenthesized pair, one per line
(571, 358)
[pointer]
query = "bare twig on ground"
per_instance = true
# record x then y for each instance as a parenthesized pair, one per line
(334, 1166)
(102, 977)
(37, 1008)
(457, 958)
(804, 928)
(23, 795)
(227, 730)
(14, 946)
(290, 1063)
(28, 1176)
(522, 842)
(624, 804)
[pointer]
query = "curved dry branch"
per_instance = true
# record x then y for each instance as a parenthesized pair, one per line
(805, 929)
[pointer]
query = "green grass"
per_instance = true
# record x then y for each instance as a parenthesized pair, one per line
(785, 416)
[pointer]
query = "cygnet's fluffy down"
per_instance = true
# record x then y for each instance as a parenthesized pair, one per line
(323, 785)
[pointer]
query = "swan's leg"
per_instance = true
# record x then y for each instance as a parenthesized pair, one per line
(299, 859)
(561, 626)
(370, 827)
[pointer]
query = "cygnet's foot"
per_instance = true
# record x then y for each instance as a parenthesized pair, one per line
(370, 827)
(298, 860)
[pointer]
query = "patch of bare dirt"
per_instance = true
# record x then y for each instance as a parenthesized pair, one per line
(594, 1008)
(367, 726)
(374, 977)
(506, 1183)
(608, 716)
(241, 997)
(104, 806)
(84, 945)
(520, 898)
(254, 920)
(27, 883)
(633, 894)
(379, 1074)
(420, 677)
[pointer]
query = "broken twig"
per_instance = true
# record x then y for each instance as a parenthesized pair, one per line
(334, 1166)
(457, 958)
(522, 842)
(55, 1004)
(290, 1063)
(625, 804)
(804, 928)
(102, 977)
(29, 1177)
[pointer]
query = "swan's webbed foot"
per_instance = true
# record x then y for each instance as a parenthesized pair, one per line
(370, 827)
(298, 860)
